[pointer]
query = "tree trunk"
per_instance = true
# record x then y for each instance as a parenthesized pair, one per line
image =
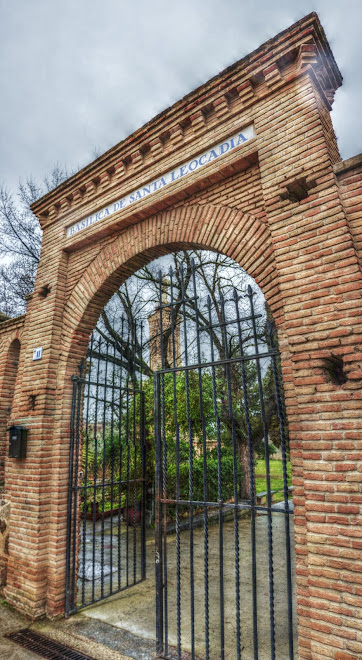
(245, 469)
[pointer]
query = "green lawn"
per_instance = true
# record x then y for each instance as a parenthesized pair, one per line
(276, 476)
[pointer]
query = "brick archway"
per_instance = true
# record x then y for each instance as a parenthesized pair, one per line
(283, 207)
(240, 236)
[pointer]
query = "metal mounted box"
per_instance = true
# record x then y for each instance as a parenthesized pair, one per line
(18, 436)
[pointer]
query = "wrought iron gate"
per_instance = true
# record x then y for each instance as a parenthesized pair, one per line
(106, 494)
(218, 405)
(222, 510)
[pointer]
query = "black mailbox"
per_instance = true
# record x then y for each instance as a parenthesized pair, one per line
(17, 441)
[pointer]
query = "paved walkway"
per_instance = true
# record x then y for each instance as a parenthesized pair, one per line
(123, 626)
(133, 610)
(99, 641)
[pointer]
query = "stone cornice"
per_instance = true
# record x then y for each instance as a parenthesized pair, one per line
(9, 324)
(301, 48)
(347, 165)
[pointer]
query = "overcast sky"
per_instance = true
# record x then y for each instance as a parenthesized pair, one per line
(80, 75)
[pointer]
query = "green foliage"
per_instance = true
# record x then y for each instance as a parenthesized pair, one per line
(212, 486)
(117, 452)
(112, 453)
(260, 449)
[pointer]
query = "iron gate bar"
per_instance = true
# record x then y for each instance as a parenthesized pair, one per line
(267, 465)
(116, 482)
(236, 523)
(219, 363)
(221, 567)
(163, 461)
(158, 528)
(107, 386)
(103, 473)
(205, 327)
(286, 495)
(174, 303)
(95, 426)
(226, 505)
(224, 323)
(119, 554)
(203, 422)
(98, 392)
(177, 508)
(143, 483)
(251, 476)
(128, 476)
(262, 351)
(191, 469)
(112, 476)
(86, 469)
(134, 495)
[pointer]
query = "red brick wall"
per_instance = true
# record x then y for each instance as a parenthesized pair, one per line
(320, 284)
(349, 176)
(302, 249)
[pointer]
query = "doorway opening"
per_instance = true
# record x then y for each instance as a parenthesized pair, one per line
(180, 512)
(11, 371)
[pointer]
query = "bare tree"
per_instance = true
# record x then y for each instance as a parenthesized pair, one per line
(218, 278)
(20, 240)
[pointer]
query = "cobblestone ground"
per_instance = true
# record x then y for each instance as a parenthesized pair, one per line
(134, 609)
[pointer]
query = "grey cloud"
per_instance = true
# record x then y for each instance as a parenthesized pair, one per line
(79, 75)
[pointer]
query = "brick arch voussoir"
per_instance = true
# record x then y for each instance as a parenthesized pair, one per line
(8, 339)
(240, 236)
(10, 348)
(6, 346)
